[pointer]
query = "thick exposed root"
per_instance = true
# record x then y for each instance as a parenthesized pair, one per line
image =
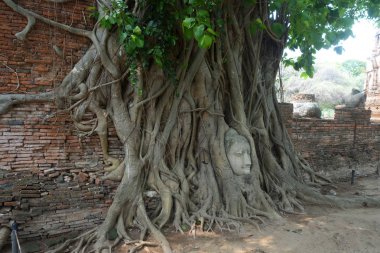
(139, 245)
(116, 174)
(113, 164)
(89, 242)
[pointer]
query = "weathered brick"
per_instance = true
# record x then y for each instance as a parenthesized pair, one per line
(11, 203)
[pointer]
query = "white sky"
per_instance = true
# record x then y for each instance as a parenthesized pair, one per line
(358, 47)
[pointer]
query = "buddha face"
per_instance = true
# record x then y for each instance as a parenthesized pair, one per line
(238, 153)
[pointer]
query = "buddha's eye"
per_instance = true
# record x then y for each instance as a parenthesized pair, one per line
(239, 153)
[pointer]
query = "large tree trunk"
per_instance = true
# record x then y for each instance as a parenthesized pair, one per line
(208, 139)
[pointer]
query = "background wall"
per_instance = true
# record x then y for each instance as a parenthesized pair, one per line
(349, 141)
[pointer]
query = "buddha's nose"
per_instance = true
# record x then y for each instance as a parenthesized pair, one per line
(247, 159)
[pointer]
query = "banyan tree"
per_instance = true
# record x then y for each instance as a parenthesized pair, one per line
(189, 87)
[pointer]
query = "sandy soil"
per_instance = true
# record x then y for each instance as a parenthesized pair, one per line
(322, 230)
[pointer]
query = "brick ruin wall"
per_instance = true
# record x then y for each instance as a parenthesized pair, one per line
(347, 141)
(47, 173)
(372, 84)
(49, 176)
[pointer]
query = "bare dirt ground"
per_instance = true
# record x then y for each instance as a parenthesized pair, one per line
(321, 230)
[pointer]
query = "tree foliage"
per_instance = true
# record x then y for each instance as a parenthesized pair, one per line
(354, 67)
(307, 25)
(314, 25)
(185, 84)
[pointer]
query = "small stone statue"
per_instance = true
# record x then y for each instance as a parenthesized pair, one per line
(356, 99)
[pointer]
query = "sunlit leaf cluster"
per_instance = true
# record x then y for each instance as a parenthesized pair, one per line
(154, 34)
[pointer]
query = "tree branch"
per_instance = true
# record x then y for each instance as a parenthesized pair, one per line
(9, 100)
(31, 16)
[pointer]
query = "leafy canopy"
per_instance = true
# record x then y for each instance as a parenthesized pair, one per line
(155, 33)
(305, 25)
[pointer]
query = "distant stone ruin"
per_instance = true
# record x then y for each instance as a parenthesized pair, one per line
(356, 99)
(372, 85)
(304, 105)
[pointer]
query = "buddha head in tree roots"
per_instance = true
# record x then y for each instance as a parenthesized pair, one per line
(238, 152)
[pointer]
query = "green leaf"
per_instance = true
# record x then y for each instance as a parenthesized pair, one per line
(338, 49)
(158, 61)
(189, 10)
(188, 33)
(252, 2)
(123, 36)
(104, 22)
(333, 15)
(278, 29)
(198, 32)
(306, 23)
(188, 22)
(205, 41)
(259, 21)
(140, 43)
(137, 41)
(137, 30)
(130, 48)
(203, 13)
(211, 31)
(304, 75)
(128, 27)
(257, 25)
(331, 38)
(112, 20)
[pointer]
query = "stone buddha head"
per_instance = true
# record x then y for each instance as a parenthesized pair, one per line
(238, 152)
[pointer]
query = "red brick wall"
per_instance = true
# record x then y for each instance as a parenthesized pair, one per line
(348, 140)
(47, 173)
(38, 67)
(328, 144)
